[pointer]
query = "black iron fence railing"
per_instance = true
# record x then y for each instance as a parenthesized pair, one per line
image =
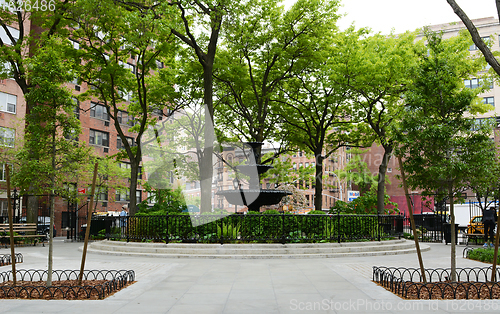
(279, 228)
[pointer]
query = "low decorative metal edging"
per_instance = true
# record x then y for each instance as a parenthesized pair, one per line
(31, 284)
(6, 259)
(472, 283)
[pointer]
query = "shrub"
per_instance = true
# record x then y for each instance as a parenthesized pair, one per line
(482, 255)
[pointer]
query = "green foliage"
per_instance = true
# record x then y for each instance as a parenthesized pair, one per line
(443, 147)
(357, 171)
(364, 204)
(316, 212)
(483, 255)
(164, 201)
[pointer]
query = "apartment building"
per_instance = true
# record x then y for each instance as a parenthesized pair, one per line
(12, 113)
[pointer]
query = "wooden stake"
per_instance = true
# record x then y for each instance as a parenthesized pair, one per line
(11, 228)
(412, 220)
(87, 231)
(495, 254)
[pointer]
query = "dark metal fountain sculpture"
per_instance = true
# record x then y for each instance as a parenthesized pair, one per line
(254, 197)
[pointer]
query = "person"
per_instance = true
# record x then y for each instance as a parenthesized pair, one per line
(123, 219)
(489, 221)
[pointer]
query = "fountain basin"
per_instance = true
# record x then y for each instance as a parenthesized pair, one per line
(259, 197)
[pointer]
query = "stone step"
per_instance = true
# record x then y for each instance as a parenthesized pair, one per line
(255, 251)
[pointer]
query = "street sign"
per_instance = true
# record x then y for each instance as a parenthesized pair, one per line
(82, 191)
(352, 195)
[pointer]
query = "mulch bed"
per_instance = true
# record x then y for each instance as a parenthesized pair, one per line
(448, 290)
(60, 290)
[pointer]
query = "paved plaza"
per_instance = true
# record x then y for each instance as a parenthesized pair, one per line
(183, 285)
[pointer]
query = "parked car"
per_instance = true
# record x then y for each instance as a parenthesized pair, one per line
(476, 225)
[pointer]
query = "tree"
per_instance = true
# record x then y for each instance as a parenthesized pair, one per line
(476, 38)
(317, 112)
(21, 44)
(263, 49)
(109, 35)
(48, 160)
(198, 25)
(441, 146)
(356, 171)
(376, 70)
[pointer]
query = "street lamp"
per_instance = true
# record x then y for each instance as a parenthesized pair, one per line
(14, 198)
(340, 185)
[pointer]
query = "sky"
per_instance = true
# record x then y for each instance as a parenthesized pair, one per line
(407, 15)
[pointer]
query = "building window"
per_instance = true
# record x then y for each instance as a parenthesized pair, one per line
(138, 196)
(119, 143)
(101, 195)
(98, 111)
(8, 102)
(6, 69)
(7, 137)
(475, 83)
(485, 39)
(76, 108)
(75, 44)
(124, 118)
(489, 101)
(99, 138)
(5, 38)
(2, 171)
(122, 196)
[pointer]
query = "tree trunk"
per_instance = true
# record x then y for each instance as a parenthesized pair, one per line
(412, 221)
(206, 165)
(453, 239)
(31, 208)
(381, 180)
(318, 190)
(134, 171)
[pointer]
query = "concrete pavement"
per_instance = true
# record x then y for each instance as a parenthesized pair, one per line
(171, 285)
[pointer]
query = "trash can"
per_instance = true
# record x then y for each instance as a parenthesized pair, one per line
(447, 233)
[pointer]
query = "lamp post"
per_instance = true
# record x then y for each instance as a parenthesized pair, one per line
(14, 204)
(340, 185)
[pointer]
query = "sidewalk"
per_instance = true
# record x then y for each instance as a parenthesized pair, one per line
(335, 285)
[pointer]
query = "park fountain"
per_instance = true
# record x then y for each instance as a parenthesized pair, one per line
(254, 197)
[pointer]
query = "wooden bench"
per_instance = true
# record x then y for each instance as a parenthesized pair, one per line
(474, 236)
(21, 231)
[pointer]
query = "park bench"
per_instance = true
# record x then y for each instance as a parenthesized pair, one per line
(25, 231)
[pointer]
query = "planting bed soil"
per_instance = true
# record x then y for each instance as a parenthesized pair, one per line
(472, 283)
(447, 290)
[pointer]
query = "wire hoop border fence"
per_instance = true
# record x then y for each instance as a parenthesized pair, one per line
(115, 280)
(472, 282)
(6, 259)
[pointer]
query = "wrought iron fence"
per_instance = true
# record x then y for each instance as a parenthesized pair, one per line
(471, 283)
(276, 228)
(430, 228)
